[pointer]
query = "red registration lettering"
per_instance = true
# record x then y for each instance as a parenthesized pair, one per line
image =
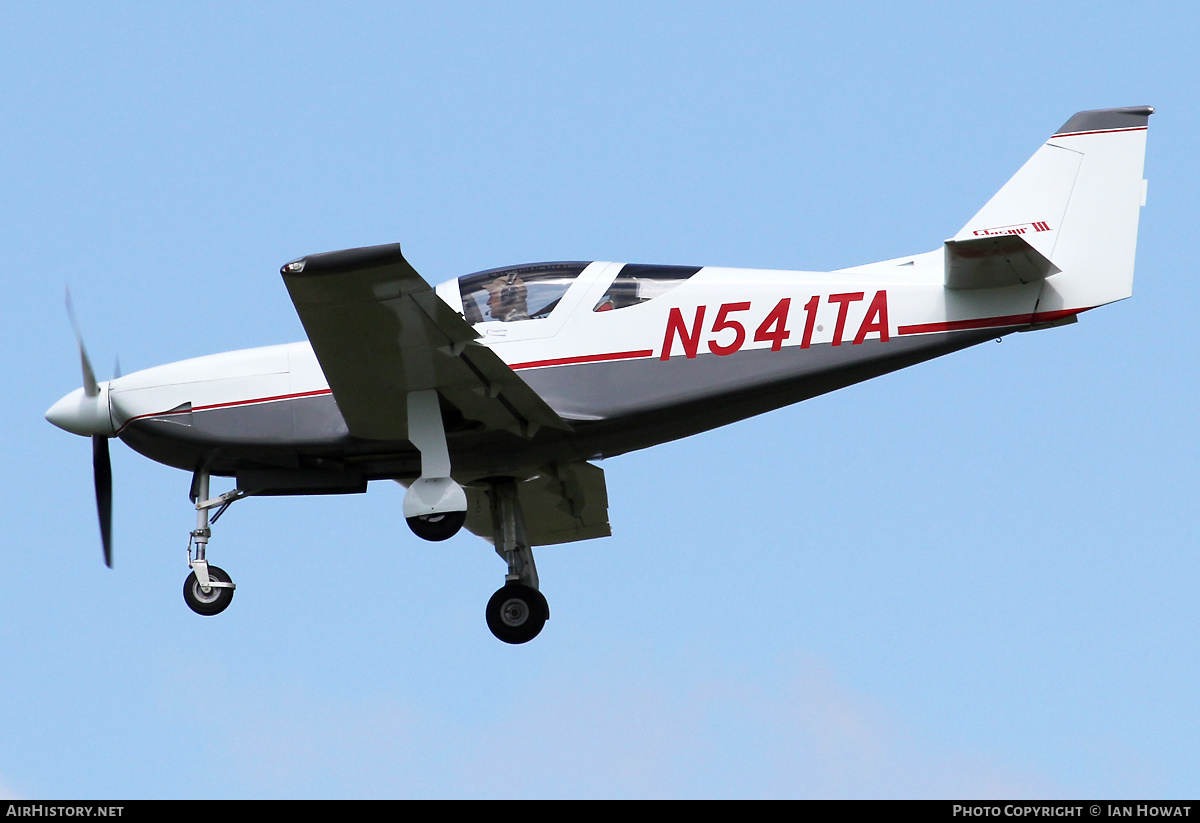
(690, 340)
(876, 319)
(844, 301)
(810, 320)
(774, 327)
(722, 322)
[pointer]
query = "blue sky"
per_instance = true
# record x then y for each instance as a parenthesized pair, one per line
(975, 577)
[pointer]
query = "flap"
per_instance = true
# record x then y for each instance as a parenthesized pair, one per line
(564, 503)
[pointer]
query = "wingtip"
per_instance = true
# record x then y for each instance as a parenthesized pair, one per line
(336, 262)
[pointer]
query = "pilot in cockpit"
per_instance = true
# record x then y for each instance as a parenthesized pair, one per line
(508, 299)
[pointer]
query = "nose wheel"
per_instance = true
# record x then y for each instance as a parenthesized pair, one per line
(216, 599)
(208, 589)
(516, 613)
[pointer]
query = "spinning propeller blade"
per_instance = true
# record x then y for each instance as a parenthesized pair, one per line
(102, 472)
(90, 387)
(101, 464)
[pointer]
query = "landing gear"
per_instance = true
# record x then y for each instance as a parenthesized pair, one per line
(208, 589)
(516, 613)
(216, 599)
(435, 506)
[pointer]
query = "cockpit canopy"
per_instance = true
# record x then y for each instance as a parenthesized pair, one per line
(533, 291)
(517, 292)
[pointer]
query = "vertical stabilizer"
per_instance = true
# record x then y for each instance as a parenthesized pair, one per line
(1076, 201)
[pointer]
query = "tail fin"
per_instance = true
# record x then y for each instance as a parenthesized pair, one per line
(1076, 202)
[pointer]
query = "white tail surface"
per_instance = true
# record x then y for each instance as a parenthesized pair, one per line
(1076, 202)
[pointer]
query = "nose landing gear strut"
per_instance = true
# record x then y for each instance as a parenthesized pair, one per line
(208, 590)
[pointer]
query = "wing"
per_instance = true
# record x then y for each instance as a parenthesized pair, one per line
(380, 331)
(564, 503)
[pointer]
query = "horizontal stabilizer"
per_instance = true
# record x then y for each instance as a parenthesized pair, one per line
(993, 262)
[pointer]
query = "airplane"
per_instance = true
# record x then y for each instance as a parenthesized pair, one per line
(490, 396)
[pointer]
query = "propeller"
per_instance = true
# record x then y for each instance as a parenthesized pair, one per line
(88, 415)
(90, 387)
(102, 472)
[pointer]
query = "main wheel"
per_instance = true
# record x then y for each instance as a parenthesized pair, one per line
(516, 613)
(215, 601)
(437, 527)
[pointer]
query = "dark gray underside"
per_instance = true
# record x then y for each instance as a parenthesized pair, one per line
(615, 407)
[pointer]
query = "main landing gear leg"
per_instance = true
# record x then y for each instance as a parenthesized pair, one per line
(435, 506)
(208, 589)
(517, 611)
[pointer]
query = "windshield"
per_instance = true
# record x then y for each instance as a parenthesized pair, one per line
(517, 292)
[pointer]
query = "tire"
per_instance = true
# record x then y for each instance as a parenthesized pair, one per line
(516, 613)
(216, 601)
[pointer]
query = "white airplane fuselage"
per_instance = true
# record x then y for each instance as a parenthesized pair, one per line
(723, 345)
